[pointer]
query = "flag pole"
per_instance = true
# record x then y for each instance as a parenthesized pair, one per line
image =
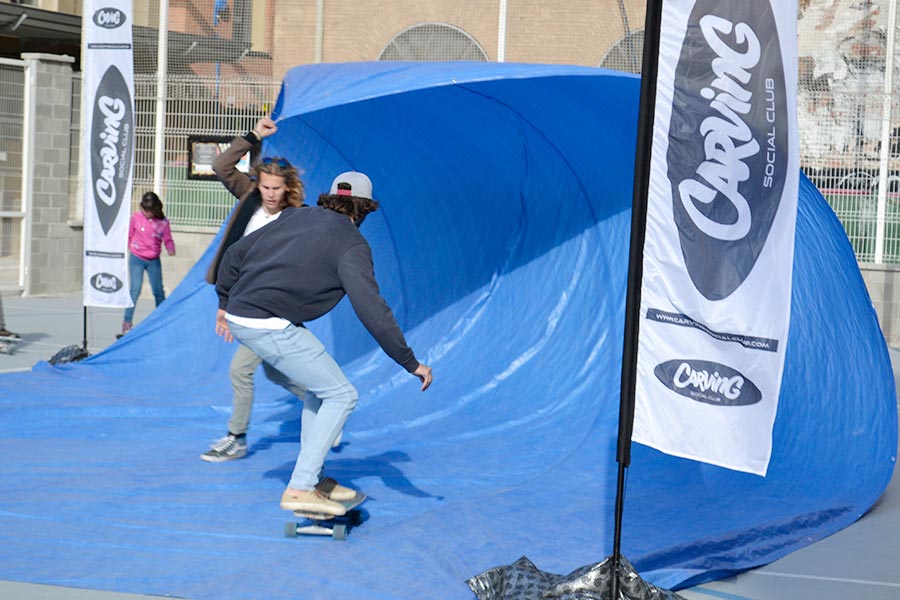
(643, 151)
(84, 329)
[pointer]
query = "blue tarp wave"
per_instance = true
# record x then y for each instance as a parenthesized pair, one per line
(502, 245)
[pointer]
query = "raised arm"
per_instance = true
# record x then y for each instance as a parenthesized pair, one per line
(225, 165)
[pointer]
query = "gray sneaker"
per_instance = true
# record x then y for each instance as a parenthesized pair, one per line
(227, 448)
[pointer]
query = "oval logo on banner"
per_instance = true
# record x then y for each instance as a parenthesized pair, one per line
(708, 382)
(106, 283)
(109, 18)
(728, 141)
(111, 145)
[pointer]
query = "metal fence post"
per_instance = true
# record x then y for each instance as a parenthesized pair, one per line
(28, 128)
(320, 29)
(162, 55)
(884, 166)
(501, 32)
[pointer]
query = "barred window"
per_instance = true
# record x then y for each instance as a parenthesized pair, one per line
(626, 54)
(433, 41)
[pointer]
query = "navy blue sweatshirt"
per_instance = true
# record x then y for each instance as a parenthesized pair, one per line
(299, 267)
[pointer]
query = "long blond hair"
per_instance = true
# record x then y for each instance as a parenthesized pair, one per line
(281, 167)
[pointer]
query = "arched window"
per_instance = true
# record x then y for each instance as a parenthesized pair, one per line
(626, 54)
(433, 41)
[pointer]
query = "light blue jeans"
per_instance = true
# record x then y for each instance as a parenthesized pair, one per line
(242, 370)
(136, 268)
(297, 353)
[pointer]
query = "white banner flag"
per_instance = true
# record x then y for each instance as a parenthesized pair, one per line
(107, 109)
(718, 256)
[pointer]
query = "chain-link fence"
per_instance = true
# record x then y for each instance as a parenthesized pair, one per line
(226, 58)
(193, 108)
(849, 119)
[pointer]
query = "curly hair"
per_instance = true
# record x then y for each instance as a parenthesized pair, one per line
(280, 167)
(354, 207)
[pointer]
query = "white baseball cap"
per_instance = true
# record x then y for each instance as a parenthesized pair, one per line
(360, 184)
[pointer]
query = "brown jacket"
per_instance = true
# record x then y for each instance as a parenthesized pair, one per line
(241, 187)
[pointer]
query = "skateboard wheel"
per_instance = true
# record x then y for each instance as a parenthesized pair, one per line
(290, 530)
(339, 532)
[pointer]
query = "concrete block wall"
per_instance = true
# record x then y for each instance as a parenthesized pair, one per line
(56, 247)
(883, 283)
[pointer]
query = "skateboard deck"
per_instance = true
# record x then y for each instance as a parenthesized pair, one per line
(8, 344)
(325, 524)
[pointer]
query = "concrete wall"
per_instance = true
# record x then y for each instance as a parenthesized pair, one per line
(56, 247)
(883, 283)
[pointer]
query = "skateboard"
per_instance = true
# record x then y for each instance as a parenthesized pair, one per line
(325, 524)
(8, 344)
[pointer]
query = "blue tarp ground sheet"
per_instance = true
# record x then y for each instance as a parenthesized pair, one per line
(502, 246)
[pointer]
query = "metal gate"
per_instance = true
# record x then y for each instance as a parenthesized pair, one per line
(12, 205)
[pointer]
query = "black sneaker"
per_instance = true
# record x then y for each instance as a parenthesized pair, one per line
(227, 448)
(5, 333)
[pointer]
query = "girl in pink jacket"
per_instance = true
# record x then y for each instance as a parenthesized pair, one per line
(148, 231)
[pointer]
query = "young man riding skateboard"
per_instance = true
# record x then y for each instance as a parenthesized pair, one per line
(271, 186)
(296, 270)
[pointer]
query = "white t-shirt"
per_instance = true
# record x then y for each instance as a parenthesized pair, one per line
(260, 218)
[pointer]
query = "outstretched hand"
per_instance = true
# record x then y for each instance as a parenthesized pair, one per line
(222, 329)
(423, 372)
(265, 127)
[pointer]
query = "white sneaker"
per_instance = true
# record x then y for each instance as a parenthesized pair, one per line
(335, 491)
(311, 502)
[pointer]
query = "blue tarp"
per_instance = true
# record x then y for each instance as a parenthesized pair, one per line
(502, 245)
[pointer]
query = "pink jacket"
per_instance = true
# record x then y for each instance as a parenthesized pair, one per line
(146, 236)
